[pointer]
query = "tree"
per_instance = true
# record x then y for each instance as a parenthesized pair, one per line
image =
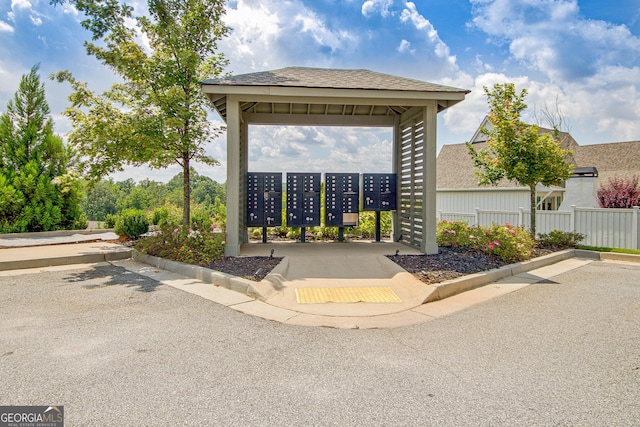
(620, 193)
(37, 193)
(158, 114)
(517, 151)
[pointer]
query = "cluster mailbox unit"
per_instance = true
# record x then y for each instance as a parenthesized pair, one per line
(264, 201)
(342, 199)
(379, 193)
(303, 201)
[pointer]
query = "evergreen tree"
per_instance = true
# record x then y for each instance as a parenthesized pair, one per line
(36, 192)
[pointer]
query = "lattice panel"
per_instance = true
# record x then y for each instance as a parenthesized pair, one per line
(412, 181)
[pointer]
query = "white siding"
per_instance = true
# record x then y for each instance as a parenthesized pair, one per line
(492, 199)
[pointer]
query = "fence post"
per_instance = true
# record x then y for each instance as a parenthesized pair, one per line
(634, 228)
(477, 216)
(521, 217)
(572, 218)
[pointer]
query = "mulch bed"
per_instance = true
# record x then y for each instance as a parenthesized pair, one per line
(250, 267)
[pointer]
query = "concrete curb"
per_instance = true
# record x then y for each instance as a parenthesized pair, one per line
(58, 233)
(206, 275)
(64, 260)
(472, 281)
(262, 290)
(607, 256)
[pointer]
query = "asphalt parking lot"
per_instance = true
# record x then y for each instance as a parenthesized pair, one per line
(117, 348)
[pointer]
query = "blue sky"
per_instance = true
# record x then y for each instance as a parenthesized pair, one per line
(583, 55)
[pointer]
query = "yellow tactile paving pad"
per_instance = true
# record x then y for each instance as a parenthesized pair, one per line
(326, 295)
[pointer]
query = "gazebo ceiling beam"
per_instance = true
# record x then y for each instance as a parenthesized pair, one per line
(319, 120)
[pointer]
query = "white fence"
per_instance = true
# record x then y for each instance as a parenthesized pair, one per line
(610, 228)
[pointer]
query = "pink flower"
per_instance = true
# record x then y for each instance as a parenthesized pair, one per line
(496, 243)
(491, 246)
(507, 224)
(175, 230)
(512, 231)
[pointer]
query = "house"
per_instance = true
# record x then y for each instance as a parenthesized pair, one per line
(458, 190)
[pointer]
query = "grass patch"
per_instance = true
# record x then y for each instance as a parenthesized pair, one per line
(615, 250)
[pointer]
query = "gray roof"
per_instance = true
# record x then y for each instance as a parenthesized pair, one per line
(331, 79)
(616, 159)
(455, 168)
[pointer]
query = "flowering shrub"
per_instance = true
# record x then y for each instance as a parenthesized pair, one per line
(453, 233)
(558, 238)
(195, 245)
(510, 243)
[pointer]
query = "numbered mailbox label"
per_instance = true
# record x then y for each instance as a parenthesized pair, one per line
(303, 199)
(379, 192)
(264, 199)
(342, 199)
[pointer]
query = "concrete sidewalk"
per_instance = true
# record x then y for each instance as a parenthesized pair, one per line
(311, 266)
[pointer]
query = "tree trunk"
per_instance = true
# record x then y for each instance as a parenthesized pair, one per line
(186, 188)
(532, 200)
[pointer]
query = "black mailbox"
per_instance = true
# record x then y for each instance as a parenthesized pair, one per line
(264, 199)
(379, 192)
(303, 199)
(342, 199)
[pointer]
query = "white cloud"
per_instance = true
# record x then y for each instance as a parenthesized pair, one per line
(554, 38)
(371, 7)
(5, 28)
(20, 4)
(272, 34)
(411, 15)
(405, 46)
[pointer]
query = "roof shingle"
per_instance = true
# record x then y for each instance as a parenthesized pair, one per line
(331, 79)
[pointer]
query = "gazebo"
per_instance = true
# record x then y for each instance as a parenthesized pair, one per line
(300, 96)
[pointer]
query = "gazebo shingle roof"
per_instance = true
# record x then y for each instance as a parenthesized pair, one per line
(331, 79)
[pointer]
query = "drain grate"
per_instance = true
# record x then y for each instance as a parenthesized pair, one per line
(363, 294)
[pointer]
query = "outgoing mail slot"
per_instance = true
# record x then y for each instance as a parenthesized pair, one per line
(350, 219)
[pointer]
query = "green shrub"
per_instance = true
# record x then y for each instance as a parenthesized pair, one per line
(198, 246)
(560, 239)
(110, 220)
(131, 223)
(200, 218)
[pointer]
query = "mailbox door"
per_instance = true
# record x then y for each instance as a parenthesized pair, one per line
(303, 199)
(379, 193)
(264, 199)
(342, 197)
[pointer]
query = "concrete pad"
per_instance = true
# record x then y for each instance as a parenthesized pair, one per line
(467, 299)
(266, 311)
(612, 256)
(45, 256)
(394, 320)
(555, 269)
(64, 267)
